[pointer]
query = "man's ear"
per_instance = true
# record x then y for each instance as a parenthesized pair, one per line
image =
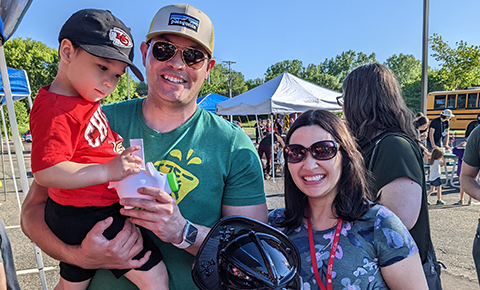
(66, 50)
(144, 50)
(210, 65)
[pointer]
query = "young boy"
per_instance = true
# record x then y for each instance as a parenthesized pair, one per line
(74, 151)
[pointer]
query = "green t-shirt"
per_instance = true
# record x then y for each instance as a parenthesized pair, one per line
(397, 157)
(215, 163)
(472, 151)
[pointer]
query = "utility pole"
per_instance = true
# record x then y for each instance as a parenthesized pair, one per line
(229, 80)
(424, 80)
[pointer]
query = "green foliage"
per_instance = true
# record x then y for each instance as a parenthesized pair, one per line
(460, 66)
(38, 60)
(343, 64)
(218, 82)
(142, 89)
(121, 92)
(412, 89)
(254, 83)
(405, 67)
(294, 67)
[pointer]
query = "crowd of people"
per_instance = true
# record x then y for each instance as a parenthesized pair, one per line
(356, 201)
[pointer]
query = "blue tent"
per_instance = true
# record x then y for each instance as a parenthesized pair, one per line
(18, 84)
(209, 101)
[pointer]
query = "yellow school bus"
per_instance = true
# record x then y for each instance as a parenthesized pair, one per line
(463, 103)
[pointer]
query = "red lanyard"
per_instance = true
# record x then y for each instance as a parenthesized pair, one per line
(330, 259)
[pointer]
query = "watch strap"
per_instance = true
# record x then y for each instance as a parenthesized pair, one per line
(185, 243)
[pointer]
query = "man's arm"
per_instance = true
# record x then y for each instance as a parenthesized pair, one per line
(94, 252)
(468, 176)
(431, 131)
(162, 216)
(403, 196)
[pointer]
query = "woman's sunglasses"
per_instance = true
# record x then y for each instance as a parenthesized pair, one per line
(164, 51)
(323, 150)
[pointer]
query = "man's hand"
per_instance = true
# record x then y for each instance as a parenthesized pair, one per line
(161, 215)
(97, 252)
(123, 165)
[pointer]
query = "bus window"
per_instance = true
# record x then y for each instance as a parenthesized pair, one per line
(461, 101)
(439, 102)
(451, 101)
(472, 101)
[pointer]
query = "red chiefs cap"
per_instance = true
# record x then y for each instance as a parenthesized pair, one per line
(101, 34)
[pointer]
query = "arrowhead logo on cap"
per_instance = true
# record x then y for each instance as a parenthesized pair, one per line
(120, 38)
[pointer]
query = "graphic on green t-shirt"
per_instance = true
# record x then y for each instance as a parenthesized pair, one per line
(186, 180)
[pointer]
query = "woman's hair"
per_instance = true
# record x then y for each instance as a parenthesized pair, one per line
(436, 154)
(420, 121)
(373, 103)
(354, 184)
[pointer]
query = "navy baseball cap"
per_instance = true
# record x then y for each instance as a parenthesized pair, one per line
(101, 34)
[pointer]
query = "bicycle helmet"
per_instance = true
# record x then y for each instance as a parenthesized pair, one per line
(242, 253)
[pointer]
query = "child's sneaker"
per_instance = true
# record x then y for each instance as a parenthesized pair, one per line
(460, 202)
(440, 202)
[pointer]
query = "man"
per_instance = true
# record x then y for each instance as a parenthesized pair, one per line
(468, 175)
(439, 128)
(217, 177)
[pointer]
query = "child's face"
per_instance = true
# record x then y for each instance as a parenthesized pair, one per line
(93, 77)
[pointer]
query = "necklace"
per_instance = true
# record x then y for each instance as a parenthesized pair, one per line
(336, 237)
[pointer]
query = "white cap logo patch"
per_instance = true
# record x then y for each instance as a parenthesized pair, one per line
(120, 38)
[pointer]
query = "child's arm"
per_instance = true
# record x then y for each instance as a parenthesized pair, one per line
(69, 175)
(442, 162)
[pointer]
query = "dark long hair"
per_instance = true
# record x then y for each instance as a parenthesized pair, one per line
(353, 186)
(373, 103)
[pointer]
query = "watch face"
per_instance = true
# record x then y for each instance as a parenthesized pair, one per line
(191, 234)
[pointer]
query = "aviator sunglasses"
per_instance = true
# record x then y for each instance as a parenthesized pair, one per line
(164, 51)
(322, 150)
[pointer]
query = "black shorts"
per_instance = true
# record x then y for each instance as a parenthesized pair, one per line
(71, 224)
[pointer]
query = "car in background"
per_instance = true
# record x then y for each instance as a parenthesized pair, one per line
(27, 137)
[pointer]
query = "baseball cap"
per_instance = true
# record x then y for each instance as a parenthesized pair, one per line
(242, 253)
(184, 20)
(447, 113)
(101, 34)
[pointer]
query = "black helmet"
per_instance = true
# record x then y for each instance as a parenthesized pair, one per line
(242, 253)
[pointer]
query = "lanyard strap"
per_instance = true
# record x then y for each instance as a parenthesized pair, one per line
(330, 259)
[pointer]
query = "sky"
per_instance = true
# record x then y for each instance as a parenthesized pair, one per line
(256, 34)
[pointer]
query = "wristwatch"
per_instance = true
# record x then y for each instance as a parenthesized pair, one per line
(189, 236)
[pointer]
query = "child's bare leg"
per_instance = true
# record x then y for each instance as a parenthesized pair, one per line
(155, 278)
(439, 192)
(462, 193)
(67, 285)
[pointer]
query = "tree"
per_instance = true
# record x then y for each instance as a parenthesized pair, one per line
(294, 67)
(343, 64)
(37, 59)
(315, 75)
(253, 83)
(405, 67)
(121, 93)
(412, 89)
(218, 82)
(460, 66)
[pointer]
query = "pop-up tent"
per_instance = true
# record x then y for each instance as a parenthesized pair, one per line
(284, 94)
(209, 101)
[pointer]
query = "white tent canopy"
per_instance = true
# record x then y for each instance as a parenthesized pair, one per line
(284, 94)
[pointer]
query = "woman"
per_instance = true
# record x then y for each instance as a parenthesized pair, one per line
(328, 217)
(383, 126)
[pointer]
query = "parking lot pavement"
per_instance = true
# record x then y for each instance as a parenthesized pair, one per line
(452, 228)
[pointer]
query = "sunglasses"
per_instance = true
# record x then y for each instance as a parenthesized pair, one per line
(340, 100)
(165, 51)
(322, 150)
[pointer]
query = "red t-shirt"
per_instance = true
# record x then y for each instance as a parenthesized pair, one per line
(72, 129)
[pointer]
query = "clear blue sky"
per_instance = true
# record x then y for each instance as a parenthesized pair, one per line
(258, 33)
